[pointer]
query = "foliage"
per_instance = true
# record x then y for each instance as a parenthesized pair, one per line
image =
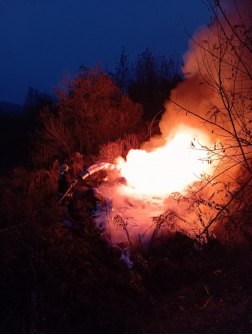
(149, 80)
(26, 195)
(58, 280)
(92, 111)
(120, 148)
(35, 101)
(221, 68)
(123, 71)
(14, 141)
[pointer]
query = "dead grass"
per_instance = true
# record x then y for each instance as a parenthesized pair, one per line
(120, 148)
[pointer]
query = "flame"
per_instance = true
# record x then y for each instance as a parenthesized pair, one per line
(151, 178)
(155, 173)
(169, 168)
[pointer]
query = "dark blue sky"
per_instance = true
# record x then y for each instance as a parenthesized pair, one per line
(42, 40)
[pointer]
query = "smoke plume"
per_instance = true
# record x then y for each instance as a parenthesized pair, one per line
(206, 108)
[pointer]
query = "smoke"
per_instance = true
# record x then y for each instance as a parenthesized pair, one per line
(216, 94)
(217, 63)
(136, 214)
(216, 70)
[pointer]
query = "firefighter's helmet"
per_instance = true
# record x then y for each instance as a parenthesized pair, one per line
(64, 168)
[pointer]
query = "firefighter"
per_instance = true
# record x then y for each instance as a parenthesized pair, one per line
(64, 184)
(64, 181)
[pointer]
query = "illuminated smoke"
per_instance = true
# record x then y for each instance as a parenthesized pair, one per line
(171, 162)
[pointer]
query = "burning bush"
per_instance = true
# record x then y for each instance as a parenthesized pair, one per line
(216, 97)
(203, 158)
(194, 175)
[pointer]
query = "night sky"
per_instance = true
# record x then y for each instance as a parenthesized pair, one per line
(43, 40)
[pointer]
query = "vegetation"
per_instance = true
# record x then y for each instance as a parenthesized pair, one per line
(149, 80)
(55, 280)
(91, 111)
(222, 76)
(14, 141)
(59, 280)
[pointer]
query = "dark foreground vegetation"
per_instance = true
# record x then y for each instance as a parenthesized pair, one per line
(59, 280)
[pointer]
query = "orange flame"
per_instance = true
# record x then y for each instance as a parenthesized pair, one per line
(169, 168)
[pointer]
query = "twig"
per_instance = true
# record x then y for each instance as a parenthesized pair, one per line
(224, 208)
(207, 302)
(12, 227)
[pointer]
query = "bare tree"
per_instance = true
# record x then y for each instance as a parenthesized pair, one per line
(219, 71)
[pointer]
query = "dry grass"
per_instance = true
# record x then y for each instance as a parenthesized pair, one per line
(120, 148)
(55, 280)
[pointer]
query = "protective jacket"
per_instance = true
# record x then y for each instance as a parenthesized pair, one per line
(64, 182)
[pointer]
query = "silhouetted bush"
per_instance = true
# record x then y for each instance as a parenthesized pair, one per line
(56, 280)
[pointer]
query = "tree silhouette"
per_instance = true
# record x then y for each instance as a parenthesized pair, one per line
(123, 71)
(153, 78)
(91, 112)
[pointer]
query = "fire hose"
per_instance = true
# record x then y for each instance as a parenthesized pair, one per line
(88, 172)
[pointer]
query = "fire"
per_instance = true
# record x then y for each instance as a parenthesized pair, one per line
(213, 101)
(151, 178)
(169, 168)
